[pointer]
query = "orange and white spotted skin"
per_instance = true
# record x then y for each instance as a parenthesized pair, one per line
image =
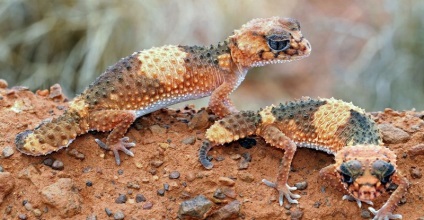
(152, 79)
(363, 166)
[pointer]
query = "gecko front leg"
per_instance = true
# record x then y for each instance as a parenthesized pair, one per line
(118, 121)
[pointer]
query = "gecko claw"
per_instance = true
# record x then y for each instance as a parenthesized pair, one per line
(358, 202)
(381, 215)
(283, 192)
(122, 145)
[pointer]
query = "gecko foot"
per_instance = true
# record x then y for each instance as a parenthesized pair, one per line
(382, 214)
(359, 202)
(283, 192)
(122, 145)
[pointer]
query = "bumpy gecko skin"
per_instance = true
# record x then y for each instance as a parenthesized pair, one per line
(363, 166)
(152, 79)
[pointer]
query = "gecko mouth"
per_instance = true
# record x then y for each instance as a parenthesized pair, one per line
(266, 62)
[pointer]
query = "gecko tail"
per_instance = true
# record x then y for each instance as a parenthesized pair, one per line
(203, 155)
(233, 127)
(49, 135)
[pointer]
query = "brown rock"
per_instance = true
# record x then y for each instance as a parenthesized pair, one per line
(416, 150)
(229, 211)
(200, 120)
(392, 134)
(63, 196)
(226, 181)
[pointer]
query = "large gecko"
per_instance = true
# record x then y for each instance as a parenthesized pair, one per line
(152, 79)
(363, 166)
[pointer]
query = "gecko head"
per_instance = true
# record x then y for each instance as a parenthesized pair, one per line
(265, 41)
(366, 178)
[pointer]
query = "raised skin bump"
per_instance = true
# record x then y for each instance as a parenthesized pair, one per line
(151, 79)
(364, 168)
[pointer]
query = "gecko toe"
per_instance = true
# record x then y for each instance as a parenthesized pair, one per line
(284, 191)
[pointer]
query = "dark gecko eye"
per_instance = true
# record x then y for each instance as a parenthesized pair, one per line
(278, 43)
(350, 170)
(383, 170)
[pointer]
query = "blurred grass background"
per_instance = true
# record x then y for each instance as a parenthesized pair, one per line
(367, 52)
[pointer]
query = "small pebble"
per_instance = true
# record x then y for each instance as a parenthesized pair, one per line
(57, 165)
(108, 212)
(91, 217)
(174, 175)
(88, 183)
(119, 215)
(229, 192)
(120, 172)
(28, 206)
(140, 198)
(166, 186)
(365, 214)
(244, 164)
(190, 177)
(246, 177)
(235, 156)
(22, 216)
(219, 158)
(121, 199)
(226, 181)
(7, 152)
(133, 185)
(161, 192)
(76, 154)
(287, 206)
(247, 156)
(219, 194)
(301, 185)
(48, 162)
(189, 141)
(317, 204)
(402, 201)
(1, 169)
(157, 130)
(416, 173)
(147, 205)
(156, 163)
(37, 212)
(296, 214)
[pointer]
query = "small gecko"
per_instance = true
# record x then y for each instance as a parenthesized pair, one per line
(363, 166)
(152, 79)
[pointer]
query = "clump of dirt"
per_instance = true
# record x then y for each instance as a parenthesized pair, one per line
(83, 181)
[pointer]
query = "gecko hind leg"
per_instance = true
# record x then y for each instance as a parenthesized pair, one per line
(118, 121)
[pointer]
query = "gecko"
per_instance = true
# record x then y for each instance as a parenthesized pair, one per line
(363, 166)
(152, 79)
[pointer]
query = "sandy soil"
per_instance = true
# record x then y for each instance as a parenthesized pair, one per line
(167, 136)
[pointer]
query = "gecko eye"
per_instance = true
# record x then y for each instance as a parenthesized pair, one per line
(278, 43)
(350, 170)
(383, 170)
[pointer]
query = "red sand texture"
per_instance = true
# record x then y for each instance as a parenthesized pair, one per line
(159, 137)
